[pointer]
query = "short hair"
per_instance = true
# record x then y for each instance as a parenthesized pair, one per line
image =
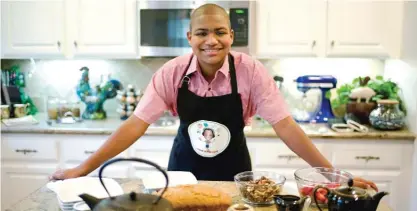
(208, 129)
(209, 8)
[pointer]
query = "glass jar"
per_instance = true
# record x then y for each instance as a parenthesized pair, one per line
(387, 116)
(75, 109)
(5, 111)
(52, 107)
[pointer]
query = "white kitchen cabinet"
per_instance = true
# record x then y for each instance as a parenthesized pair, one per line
(363, 28)
(27, 161)
(104, 28)
(290, 28)
(33, 28)
(20, 180)
(69, 28)
(328, 28)
(74, 149)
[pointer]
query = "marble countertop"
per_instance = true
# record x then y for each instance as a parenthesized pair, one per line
(45, 200)
(109, 125)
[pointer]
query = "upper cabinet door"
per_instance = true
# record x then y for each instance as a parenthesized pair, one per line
(32, 28)
(290, 28)
(363, 28)
(104, 28)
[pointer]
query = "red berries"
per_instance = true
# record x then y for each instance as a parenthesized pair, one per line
(321, 194)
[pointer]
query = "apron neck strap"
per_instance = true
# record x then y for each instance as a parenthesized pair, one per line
(232, 72)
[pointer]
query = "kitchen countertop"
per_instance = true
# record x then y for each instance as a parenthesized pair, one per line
(45, 200)
(109, 125)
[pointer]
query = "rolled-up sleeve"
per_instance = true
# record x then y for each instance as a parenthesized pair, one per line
(266, 96)
(156, 98)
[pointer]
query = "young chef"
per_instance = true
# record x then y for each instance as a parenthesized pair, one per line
(212, 90)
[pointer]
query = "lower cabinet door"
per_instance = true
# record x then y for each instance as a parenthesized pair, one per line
(18, 182)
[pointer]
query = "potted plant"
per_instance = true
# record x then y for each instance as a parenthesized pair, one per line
(384, 89)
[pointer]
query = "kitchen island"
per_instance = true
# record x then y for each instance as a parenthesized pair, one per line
(44, 199)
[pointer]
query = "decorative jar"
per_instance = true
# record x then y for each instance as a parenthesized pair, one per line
(387, 116)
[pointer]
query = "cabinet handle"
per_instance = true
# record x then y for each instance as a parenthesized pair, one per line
(87, 152)
(26, 151)
(313, 44)
(332, 43)
(367, 158)
(59, 44)
(288, 157)
(75, 44)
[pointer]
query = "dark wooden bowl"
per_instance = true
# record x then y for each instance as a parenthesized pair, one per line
(360, 110)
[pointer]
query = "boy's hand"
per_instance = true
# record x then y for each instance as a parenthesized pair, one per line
(365, 184)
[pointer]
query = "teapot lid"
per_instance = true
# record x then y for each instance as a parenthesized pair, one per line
(350, 191)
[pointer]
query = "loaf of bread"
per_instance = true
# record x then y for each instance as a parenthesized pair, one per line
(197, 197)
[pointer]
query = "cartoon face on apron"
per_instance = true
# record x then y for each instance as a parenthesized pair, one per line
(210, 142)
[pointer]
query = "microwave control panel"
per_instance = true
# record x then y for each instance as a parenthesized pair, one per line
(239, 19)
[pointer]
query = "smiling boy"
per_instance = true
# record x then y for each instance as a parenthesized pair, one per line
(211, 86)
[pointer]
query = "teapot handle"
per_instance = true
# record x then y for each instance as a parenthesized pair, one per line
(314, 195)
(137, 160)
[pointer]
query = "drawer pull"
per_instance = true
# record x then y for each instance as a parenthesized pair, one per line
(288, 157)
(87, 152)
(26, 151)
(367, 158)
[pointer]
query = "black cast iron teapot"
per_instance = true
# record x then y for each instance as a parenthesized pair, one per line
(350, 198)
(131, 201)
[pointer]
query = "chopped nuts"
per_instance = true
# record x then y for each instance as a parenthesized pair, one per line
(260, 190)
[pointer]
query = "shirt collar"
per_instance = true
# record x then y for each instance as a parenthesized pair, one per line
(194, 67)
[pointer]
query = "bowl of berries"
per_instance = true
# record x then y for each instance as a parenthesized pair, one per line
(309, 178)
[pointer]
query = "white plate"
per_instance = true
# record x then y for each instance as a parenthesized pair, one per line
(156, 180)
(68, 190)
(81, 206)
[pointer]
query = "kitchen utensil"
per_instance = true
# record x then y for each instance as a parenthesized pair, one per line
(314, 108)
(279, 80)
(292, 203)
(131, 201)
(308, 178)
(259, 187)
(350, 126)
(350, 198)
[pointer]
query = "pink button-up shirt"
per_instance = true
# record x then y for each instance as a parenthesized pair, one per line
(259, 93)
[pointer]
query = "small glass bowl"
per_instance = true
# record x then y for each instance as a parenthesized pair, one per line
(259, 193)
(309, 178)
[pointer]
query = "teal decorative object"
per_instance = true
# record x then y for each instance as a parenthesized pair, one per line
(95, 98)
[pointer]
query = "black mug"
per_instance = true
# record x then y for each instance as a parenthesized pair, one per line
(291, 203)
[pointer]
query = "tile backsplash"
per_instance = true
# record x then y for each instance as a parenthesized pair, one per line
(60, 77)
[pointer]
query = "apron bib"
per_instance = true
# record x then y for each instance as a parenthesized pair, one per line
(210, 142)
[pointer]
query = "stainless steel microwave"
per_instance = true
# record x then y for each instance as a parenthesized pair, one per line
(164, 25)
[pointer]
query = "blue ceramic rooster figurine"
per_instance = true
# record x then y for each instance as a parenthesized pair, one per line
(94, 98)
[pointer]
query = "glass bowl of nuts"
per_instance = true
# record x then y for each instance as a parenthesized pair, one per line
(259, 187)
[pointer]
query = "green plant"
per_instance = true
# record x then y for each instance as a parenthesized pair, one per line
(384, 89)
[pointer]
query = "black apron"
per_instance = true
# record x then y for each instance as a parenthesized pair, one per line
(221, 116)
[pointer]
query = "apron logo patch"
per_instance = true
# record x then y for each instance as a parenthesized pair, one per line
(208, 138)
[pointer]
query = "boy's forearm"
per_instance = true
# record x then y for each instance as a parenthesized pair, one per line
(295, 138)
(127, 134)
